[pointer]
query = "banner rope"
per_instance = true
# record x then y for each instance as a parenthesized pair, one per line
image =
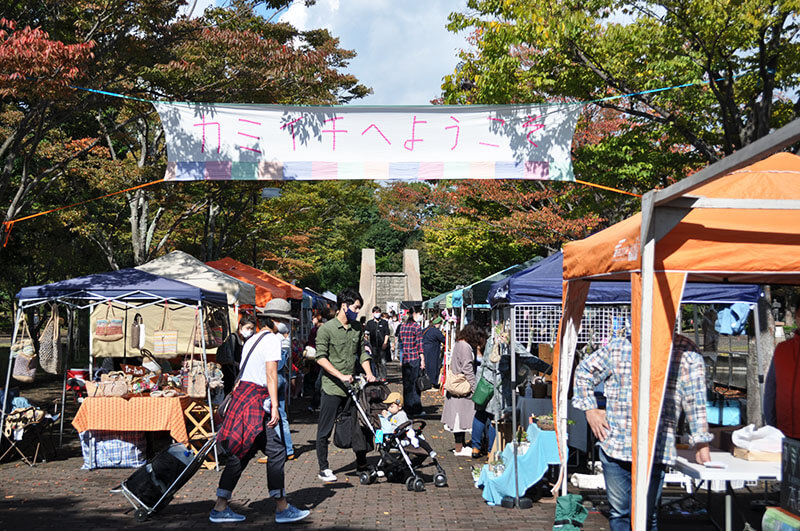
(610, 189)
(9, 225)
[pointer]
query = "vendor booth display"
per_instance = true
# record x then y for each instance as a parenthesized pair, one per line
(727, 223)
(133, 292)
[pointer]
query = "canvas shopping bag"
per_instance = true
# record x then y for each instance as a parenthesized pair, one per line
(165, 339)
(137, 336)
(109, 328)
(50, 351)
(195, 370)
(214, 331)
(24, 355)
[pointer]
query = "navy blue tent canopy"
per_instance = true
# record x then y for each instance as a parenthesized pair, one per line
(542, 284)
(131, 284)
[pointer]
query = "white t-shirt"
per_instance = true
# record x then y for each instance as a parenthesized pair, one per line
(268, 349)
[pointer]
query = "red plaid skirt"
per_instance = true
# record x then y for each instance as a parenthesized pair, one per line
(244, 419)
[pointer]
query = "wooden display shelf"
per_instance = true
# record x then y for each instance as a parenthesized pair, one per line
(198, 427)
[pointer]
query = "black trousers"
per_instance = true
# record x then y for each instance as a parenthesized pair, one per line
(411, 399)
(329, 408)
(271, 441)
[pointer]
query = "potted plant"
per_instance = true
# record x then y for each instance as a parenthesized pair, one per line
(545, 422)
(522, 441)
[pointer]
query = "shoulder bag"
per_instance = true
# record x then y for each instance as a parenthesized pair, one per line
(226, 402)
(483, 390)
(50, 343)
(24, 355)
(165, 339)
(456, 384)
(137, 332)
(108, 329)
(196, 381)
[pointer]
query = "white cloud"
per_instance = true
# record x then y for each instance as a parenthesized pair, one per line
(403, 48)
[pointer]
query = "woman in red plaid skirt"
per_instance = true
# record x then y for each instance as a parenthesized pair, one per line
(248, 427)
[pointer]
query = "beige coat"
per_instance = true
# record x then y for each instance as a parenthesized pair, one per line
(458, 413)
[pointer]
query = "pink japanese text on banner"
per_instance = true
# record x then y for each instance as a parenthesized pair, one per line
(271, 142)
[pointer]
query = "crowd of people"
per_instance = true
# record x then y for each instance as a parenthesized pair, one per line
(255, 367)
(255, 360)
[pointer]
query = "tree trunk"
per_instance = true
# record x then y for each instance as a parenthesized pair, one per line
(767, 346)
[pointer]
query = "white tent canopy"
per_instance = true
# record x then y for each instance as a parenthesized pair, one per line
(184, 267)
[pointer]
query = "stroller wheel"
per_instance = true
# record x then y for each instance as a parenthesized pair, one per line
(440, 480)
(364, 478)
(140, 515)
(419, 485)
(410, 483)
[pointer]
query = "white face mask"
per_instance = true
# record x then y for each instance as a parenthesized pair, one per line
(418, 318)
(246, 333)
(376, 315)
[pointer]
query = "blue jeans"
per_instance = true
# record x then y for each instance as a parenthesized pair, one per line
(617, 475)
(482, 421)
(287, 435)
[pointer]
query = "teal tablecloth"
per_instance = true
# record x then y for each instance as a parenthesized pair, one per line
(533, 464)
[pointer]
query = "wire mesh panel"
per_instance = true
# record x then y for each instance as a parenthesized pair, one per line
(539, 323)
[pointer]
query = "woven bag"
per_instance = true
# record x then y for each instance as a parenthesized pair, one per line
(50, 351)
(165, 340)
(109, 328)
(24, 354)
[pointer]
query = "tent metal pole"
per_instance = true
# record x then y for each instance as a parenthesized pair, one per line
(65, 368)
(10, 366)
(513, 343)
(208, 379)
(91, 343)
(641, 451)
(759, 357)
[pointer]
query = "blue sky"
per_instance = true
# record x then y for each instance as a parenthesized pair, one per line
(403, 48)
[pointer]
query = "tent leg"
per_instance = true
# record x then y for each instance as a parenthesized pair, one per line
(10, 366)
(759, 357)
(208, 387)
(68, 356)
(91, 343)
(513, 343)
(641, 453)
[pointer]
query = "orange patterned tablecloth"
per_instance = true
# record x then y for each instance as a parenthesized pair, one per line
(141, 413)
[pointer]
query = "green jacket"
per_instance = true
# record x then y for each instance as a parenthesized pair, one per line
(344, 347)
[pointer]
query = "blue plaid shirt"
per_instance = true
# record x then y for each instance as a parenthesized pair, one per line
(685, 390)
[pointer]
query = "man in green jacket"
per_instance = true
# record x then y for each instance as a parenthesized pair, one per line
(340, 349)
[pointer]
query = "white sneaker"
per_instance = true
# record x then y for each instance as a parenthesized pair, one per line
(466, 451)
(326, 476)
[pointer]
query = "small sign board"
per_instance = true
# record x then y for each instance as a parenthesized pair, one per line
(790, 476)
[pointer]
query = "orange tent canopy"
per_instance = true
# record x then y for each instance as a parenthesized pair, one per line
(268, 286)
(725, 244)
(738, 227)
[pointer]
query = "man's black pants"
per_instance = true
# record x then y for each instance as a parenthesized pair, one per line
(329, 408)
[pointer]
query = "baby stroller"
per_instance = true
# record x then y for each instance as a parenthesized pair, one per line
(397, 462)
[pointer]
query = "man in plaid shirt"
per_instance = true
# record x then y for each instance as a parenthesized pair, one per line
(410, 337)
(685, 389)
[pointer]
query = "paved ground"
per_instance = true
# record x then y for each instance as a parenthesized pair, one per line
(58, 493)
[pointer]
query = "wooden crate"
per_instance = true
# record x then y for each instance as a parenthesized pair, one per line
(198, 427)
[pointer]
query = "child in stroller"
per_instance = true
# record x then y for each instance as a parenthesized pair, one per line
(402, 448)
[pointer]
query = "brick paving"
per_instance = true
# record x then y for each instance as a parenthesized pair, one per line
(58, 493)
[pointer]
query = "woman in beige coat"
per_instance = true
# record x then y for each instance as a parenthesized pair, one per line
(459, 411)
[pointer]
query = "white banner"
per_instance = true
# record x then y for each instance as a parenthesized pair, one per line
(210, 141)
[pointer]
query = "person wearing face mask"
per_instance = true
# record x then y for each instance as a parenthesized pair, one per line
(340, 351)
(283, 385)
(410, 337)
(229, 354)
(253, 422)
(378, 330)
